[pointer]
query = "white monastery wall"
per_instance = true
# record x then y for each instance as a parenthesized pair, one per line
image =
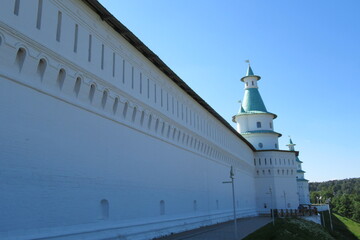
(95, 140)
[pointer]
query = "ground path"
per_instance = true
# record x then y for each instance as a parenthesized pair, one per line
(222, 231)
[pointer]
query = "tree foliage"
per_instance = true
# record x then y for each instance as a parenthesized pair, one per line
(344, 196)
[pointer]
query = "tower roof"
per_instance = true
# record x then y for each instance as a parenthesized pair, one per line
(249, 72)
(252, 101)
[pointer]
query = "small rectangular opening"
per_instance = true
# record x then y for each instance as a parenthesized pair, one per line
(89, 51)
(17, 7)
(76, 37)
(39, 13)
(58, 29)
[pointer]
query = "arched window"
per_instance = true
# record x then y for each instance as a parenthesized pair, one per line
(126, 106)
(61, 78)
(115, 105)
(168, 132)
(162, 207)
(41, 68)
(104, 208)
(104, 99)
(142, 118)
(156, 125)
(20, 58)
(149, 122)
(133, 117)
(163, 128)
(174, 134)
(258, 124)
(77, 86)
(92, 92)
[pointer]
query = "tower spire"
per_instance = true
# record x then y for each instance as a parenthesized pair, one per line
(291, 145)
(249, 71)
(253, 121)
(252, 100)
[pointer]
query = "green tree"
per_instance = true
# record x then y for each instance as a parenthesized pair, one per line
(345, 206)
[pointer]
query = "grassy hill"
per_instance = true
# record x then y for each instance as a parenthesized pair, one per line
(352, 226)
(344, 228)
(291, 228)
(300, 229)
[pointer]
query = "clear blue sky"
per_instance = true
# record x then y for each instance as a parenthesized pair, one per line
(307, 53)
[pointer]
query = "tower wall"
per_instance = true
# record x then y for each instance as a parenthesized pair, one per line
(263, 141)
(249, 122)
(275, 170)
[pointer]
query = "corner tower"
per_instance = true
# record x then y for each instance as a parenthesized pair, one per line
(302, 182)
(253, 120)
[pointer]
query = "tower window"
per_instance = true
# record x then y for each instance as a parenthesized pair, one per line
(252, 83)
(271, 125)
(276, 146)
(247, 84)
(258, 124)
